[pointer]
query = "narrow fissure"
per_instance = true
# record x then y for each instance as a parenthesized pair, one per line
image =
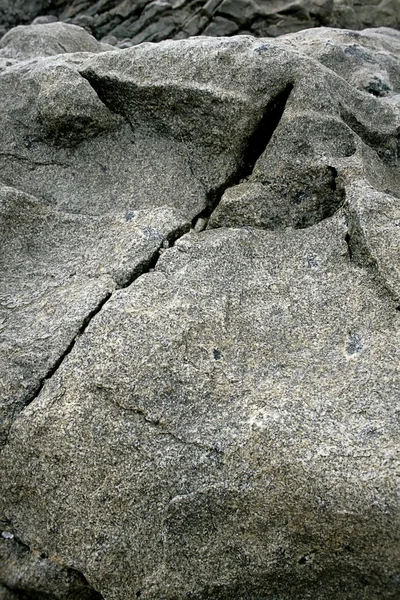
(69, 348)
(145, 266)
(347, 240)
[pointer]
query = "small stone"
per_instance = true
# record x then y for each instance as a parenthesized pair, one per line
(200, 224)
(44, 20)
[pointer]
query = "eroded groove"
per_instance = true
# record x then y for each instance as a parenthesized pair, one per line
(386, 145)
(161, 426)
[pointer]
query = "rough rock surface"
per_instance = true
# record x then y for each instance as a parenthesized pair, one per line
(134, 21)
(26, 42)
(208, 413)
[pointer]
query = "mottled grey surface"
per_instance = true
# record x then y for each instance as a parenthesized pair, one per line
(30, 41)
(29, 575)
(56, 268)
(217, 419)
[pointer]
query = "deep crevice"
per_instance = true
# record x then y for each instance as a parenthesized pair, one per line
(264, 131)
(255, 147)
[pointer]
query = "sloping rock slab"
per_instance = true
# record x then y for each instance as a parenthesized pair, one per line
(225, 428)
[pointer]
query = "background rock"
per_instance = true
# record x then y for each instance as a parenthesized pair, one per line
(157, 20)
(203, 414)
(26, 42)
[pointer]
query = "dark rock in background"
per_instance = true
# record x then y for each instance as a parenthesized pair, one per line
(134, 21)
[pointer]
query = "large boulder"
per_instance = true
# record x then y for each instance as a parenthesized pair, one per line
(207, 413)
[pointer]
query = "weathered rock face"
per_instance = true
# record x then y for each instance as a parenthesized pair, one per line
(216, 419)
(134, 21)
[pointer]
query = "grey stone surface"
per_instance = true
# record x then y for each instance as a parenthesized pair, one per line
(243, 446)
(56, 268)
(213, 413)
(30, 41)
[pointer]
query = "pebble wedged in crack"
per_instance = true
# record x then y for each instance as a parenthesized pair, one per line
(225, 426)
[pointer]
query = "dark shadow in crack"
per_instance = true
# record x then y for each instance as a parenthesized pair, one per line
(255, 147)
(264, 131)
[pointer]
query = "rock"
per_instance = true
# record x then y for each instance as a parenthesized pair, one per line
(221, 26)
(294, 183)
(110, 39)
(44, 20)
(64, 266)
(149, 20)
(237, 438)
(31, 41)
(207, 413)
(24, 11)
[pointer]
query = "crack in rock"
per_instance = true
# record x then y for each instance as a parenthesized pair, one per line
(144, 267)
